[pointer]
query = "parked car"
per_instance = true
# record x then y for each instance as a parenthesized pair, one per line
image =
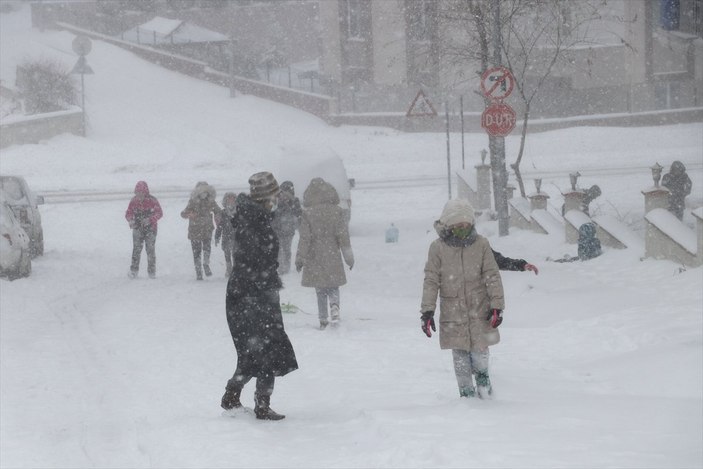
(15, 257)
(301, 165)
(24, 205)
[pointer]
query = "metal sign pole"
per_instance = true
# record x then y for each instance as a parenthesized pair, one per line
(461, 110)
(82, 46)
(449, 161)
(83, 100)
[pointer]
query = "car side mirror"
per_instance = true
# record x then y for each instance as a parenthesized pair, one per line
(40, 199)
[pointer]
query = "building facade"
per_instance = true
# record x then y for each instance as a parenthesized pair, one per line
(642, 55)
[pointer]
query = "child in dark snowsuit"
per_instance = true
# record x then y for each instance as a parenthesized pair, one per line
(225, 229)
(588, 244)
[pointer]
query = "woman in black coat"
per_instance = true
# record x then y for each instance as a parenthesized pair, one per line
(253, 305)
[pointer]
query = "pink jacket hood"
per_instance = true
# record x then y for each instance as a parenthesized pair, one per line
(141, 187)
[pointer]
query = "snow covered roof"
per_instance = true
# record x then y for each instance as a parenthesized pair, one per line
(162, 26)
(161, 30)
(199, 34)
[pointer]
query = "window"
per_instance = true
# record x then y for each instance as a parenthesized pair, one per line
(669, 14)
(685, 16)
(420, 17)
(667, 94)
(357, 47)
(421, 31)
(12, 188)
(354, 19)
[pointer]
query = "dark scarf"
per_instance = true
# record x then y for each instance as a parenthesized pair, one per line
(451, 240)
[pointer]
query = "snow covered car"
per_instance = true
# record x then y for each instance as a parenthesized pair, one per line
(15, 258)
(24, 205)
(301, 165)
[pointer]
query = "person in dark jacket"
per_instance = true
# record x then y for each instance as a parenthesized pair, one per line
(286, 219)
(679, 185)
(253, 305)
(519, 265)
(202, 212)
(588, 244)
(143, 213)
(589, 195)
(225, 229)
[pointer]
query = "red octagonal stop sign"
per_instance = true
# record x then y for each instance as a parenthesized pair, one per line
(498, 119)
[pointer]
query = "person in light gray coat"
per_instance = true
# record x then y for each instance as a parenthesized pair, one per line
(461, 268)
(324, 239)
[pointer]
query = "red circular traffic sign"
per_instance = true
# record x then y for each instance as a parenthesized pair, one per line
(497, 83)
(498, 119)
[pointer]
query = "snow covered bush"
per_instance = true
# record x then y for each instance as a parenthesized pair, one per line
(45, 86)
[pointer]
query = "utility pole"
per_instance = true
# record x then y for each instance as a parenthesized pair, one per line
(232, 91)
(497, 144)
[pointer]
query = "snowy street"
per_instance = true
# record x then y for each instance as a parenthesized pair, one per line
(107, 371)
(600, 362)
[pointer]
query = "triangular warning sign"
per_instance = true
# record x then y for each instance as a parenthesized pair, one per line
(421, 107)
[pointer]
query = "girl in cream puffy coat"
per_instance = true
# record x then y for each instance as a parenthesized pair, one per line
(462, 270)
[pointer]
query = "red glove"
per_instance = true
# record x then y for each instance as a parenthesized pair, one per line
(495, 317)
(427, 322)
(532, 267)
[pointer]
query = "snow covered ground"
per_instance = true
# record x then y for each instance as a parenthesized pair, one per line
(600, 363)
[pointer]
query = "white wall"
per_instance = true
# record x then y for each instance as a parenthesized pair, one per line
(331, 54)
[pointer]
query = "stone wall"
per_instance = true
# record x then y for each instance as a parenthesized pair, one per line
(34, 129)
